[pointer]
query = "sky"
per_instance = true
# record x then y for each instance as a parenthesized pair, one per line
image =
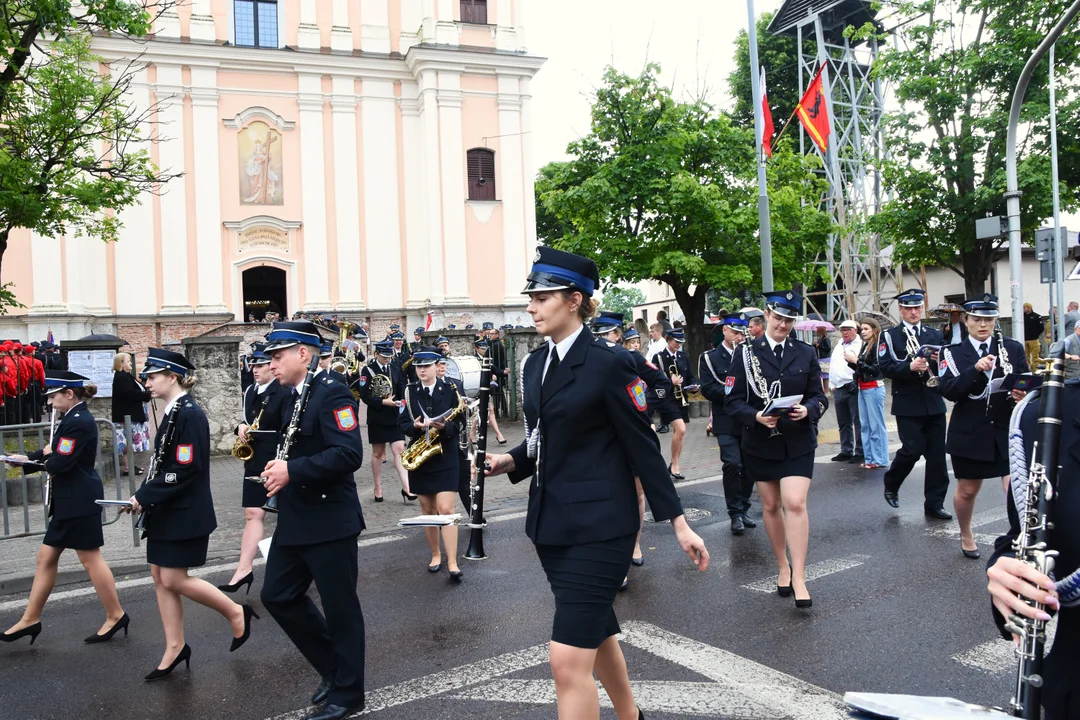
(692, 40)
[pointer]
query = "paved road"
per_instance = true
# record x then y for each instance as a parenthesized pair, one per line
(896, 609)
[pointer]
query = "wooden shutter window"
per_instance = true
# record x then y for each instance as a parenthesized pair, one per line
(480, 163)
(474, 11)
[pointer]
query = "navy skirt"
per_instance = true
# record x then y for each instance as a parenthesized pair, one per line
(585, 579)
(177, 553)
(254, 494)
(384, 434)
(81, 533)
(969, 469)
(760, 469)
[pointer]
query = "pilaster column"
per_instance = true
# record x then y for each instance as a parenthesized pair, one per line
(412, 143)
(505, 33)
(347, 195)
(382, 224)
(48, 292)
(412, 17)
(375, 26)
(510, 185)
(528, 164)
(167, 24)
(341, 34)
(202, 22)
(432, 185)
(446, 30)
(206, 121)
(519, 21)
(312, 153)
(174, 255)
(73, 274)
(308, 33)
(94, 269)
(427, 20)
(452, 156)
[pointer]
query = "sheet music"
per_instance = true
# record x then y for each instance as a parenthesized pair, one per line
(780, 405)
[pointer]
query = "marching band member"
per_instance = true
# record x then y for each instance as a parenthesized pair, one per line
(919, 409)
(442, 344)
(319, 519)
(582, 505)
(180, 511)
(74, 518)
(717, 379)
(263, 403)
(480, 345)
(436, 481)
(981, 413)
(682, 378)
(418, 340)
(499, 367)
(778, 451)
(382, 416)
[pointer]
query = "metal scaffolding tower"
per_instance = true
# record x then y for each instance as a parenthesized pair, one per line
(861, 276)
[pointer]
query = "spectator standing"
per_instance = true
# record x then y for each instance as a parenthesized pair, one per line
(868, 376)
(1071, 317)
(1072, 353)
(1034, 328)
(846, 393)
(129, 398)
(822, 344)
(661, 317)
(757, 327)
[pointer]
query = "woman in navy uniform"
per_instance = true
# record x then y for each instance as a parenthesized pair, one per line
(436, 481)
(778, 451)
(262, 402)
(716, 383)
(979, 415)
(319, 519)
(382, 416)
(1009, 576)
(74, 518)
(180, 511)
(587, 437)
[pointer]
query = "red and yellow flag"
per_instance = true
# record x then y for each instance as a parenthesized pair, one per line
(813, 112)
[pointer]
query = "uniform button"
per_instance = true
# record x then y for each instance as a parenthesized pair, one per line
(323, 497)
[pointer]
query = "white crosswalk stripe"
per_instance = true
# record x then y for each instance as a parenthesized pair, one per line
(816, 571)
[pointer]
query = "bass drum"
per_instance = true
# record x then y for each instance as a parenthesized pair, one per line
(467, 370)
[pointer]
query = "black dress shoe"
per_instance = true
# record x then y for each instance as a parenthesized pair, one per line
(246, 580)
(249, 613)
(434, 568)
(747, 521)
(637, 562)
(973, 554)
(322, 692)
(625, 583)
(336, 712)
(379, 498)
(677, 476)
(857, 458)
(183, 657)
(121, 624)
(457, 576)
(738, 526)
(892, 498)
(32, 630)
(640, 715)
(663, 429)
(938, 514)
(842, 457)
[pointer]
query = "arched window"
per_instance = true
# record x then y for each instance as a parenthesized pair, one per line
(474, 11)
(481, 166)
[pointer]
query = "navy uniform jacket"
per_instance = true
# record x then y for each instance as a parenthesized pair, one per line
(657, 383)
(973, 421)
(1059, 695)
(800, 374)
(269, 403)
(379, 414)
(590, 438)
(320, 503)
(462, 419)
(75, 481)
(910, 396)
(664, 359)
(716, 384)
(443, 398)
(177, 498)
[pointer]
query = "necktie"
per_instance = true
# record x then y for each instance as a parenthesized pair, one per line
(779, 350)
(552, 371)
(983, 350)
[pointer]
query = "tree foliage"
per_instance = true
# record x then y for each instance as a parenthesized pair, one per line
(622, 299)
(952, 78)
(666, 190)
(779, 56)
(70, 154)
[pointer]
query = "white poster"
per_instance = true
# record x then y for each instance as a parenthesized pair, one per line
(96, 365)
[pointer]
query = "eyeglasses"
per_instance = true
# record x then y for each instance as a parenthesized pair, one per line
(983, 320)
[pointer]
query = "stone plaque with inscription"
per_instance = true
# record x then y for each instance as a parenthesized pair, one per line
(263, 238)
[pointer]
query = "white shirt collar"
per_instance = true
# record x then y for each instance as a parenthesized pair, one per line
(300, 385)
(74, 407)
(260, 389)
(563, 346)
(915, 327)
(729, 348)
(976, 343)
(430, 388)
(772, 343)
(172, 403)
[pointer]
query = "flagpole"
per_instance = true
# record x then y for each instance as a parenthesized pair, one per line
(784, 129)
(764, 226)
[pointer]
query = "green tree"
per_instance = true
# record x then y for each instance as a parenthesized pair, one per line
(952, 75)
(622, 299)
(666, 190)
(70, 147)
(777, 53)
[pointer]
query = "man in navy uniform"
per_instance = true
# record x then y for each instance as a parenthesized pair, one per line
(716, 384)
(418, 340)
(319, 519)
(674, 355)
(919, 410)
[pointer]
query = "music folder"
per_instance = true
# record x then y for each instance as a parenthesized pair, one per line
(430, 520)
(1024, 382)
(114, 503)
(781, 406)
(27, 465)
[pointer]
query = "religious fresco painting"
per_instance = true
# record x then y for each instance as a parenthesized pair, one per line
(260, 165)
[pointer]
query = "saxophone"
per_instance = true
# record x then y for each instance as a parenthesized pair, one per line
(429, 444)
(1031, 544)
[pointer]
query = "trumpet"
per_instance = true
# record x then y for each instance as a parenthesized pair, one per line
(242, 450)
(677, 390)
(912, 347)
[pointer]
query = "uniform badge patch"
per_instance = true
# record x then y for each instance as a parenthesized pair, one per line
(362, 381)
(66, 446)
(184, 454)
(170, 478)
(729, 382)
(637, 394)
(881, 350)
(346, 418)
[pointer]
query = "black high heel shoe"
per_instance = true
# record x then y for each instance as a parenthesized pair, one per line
(456, 576)
(121, 624)
(183, 657)
(405, 497)
(249, 613)
(379, 498)
(32, 630)
(246, 580)
(675, 475)
(803, 604)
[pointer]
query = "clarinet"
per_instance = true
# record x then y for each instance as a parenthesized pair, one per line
(1031, 544)
(155, 461)
(294, 425)
(476, 494)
